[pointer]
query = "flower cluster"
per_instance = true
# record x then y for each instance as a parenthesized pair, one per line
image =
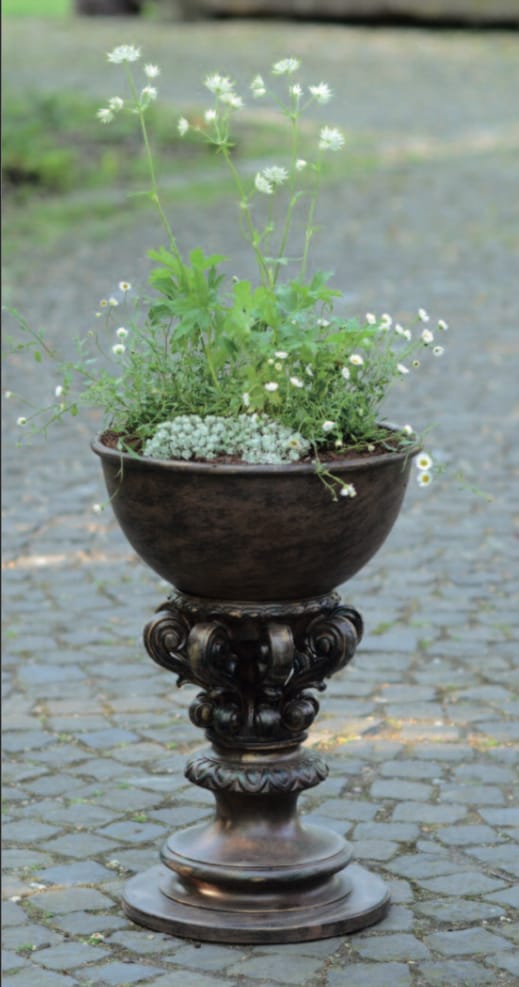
(139, 101)
(252, 438)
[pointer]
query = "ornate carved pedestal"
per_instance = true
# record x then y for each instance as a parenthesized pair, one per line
(256, 873)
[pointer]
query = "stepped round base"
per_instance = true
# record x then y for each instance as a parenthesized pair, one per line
(157, 900)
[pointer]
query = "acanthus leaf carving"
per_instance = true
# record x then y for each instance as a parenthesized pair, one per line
(256, 680)
(299, 773)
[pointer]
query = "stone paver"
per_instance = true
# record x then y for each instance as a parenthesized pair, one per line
(421, 729)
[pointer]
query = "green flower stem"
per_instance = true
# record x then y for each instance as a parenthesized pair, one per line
(252, 232)
(310, 219)
(212, 371)
(155, 196)
(294, 135)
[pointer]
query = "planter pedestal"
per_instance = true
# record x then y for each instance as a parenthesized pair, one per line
(255, 873)
(265, 534)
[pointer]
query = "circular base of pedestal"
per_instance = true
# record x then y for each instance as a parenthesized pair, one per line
(365, 902)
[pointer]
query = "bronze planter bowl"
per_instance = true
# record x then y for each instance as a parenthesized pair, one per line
(254, 554)
(245, 532)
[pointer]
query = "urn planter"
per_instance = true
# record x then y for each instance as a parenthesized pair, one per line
(254, 554)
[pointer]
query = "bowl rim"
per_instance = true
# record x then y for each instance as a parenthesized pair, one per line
(351, 463)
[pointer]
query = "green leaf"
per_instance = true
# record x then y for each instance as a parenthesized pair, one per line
(201, 263)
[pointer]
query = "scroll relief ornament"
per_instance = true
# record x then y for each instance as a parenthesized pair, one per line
(255, 674)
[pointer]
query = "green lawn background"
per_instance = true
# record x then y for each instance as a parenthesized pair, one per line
(37, 8)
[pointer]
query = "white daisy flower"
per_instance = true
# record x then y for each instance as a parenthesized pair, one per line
(7, 395)
(151, 71)
(275, 174)
(258, 86)
(423, 315)
(348, 490)
(438, 350)
(321, 93)
(118, 349)
(415, 364)
(116, 103)
(149, 92)
(58, 391)
(271, 386)
(408, 429)
(346, 373)
(219, 84)
(401, 331)
(296, 90)
(21, 421)
(263, 185)
(423, 461)
(105, 115)
(328, 425)
(301, 164)
(427, 336)
(232, 100)
(121, 333)
(402, 369)
(123, 286)
(386, 319)
(296, 382)
(324, 323)
(309, 371)
(246, 398)
(113, 301)
(97, 508)
(124, 53)
(281, 354)
(424, 479)
(356, 359)
(371, 319)
(209, 116)
(183, 126)
(331, 139)
(286, 66)
(442, 325)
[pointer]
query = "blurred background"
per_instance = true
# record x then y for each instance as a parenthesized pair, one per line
(420, 210)
(431, 11)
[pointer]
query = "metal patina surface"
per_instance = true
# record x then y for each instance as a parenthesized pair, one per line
(255, 872)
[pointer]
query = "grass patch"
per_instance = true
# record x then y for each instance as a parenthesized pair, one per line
(54, 143)
(37, 8)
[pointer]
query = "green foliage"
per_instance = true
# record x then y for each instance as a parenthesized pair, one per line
(202, 344)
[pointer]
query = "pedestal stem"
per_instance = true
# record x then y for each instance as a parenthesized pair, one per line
(255, 873)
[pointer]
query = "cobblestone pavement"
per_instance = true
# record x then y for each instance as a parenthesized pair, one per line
(421, 730)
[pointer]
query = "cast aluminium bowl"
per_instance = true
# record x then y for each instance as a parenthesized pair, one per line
(247, 532)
